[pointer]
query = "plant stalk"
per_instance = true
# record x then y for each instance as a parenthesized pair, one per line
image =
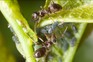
(26, 36)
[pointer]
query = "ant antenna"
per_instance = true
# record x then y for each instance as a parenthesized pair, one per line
(35, 27)
(64, 31)
(41, 7)
(53, 37)
(52, 1)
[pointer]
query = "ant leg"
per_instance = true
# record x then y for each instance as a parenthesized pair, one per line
(47, 37)
(41, 39)
(52, 1)
(53, 38)
(64, 31)
(35, 27)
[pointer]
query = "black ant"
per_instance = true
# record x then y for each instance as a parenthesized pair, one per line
(54, 7)
(45, 46)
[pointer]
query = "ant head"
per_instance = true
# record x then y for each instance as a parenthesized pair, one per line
(35, 16)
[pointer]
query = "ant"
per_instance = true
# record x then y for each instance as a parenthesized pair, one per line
(45, 47)
(54, 7)
(36, 15)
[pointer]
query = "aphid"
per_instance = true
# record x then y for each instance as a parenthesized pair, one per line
(50, 28)
(15, 39)
(68, 34)
(11, 29)
(74, 28)
(54, 7)
(40, 52)
(73, 41)
(63, 44)
(47, 30)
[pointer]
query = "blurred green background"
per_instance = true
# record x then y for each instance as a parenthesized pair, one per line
(8, 51)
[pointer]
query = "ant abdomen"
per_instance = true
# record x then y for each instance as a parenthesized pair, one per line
(40, 52)
(54, 8)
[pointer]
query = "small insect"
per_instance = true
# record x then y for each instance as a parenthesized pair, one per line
(68, 34)
(40, 52)
(36, 16)
(49, 28)
(65, 45)
(15, 39)
(74, 28)
(73, 41)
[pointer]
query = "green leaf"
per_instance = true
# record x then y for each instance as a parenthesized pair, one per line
(72, 11)
(26, 36)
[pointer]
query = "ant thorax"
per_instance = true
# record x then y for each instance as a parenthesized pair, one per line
(43, 12)
(54, 7)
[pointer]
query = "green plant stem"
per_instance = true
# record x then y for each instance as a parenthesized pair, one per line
(26, 36)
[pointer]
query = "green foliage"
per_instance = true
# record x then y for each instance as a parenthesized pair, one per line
(5, 55)
(72, 11)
